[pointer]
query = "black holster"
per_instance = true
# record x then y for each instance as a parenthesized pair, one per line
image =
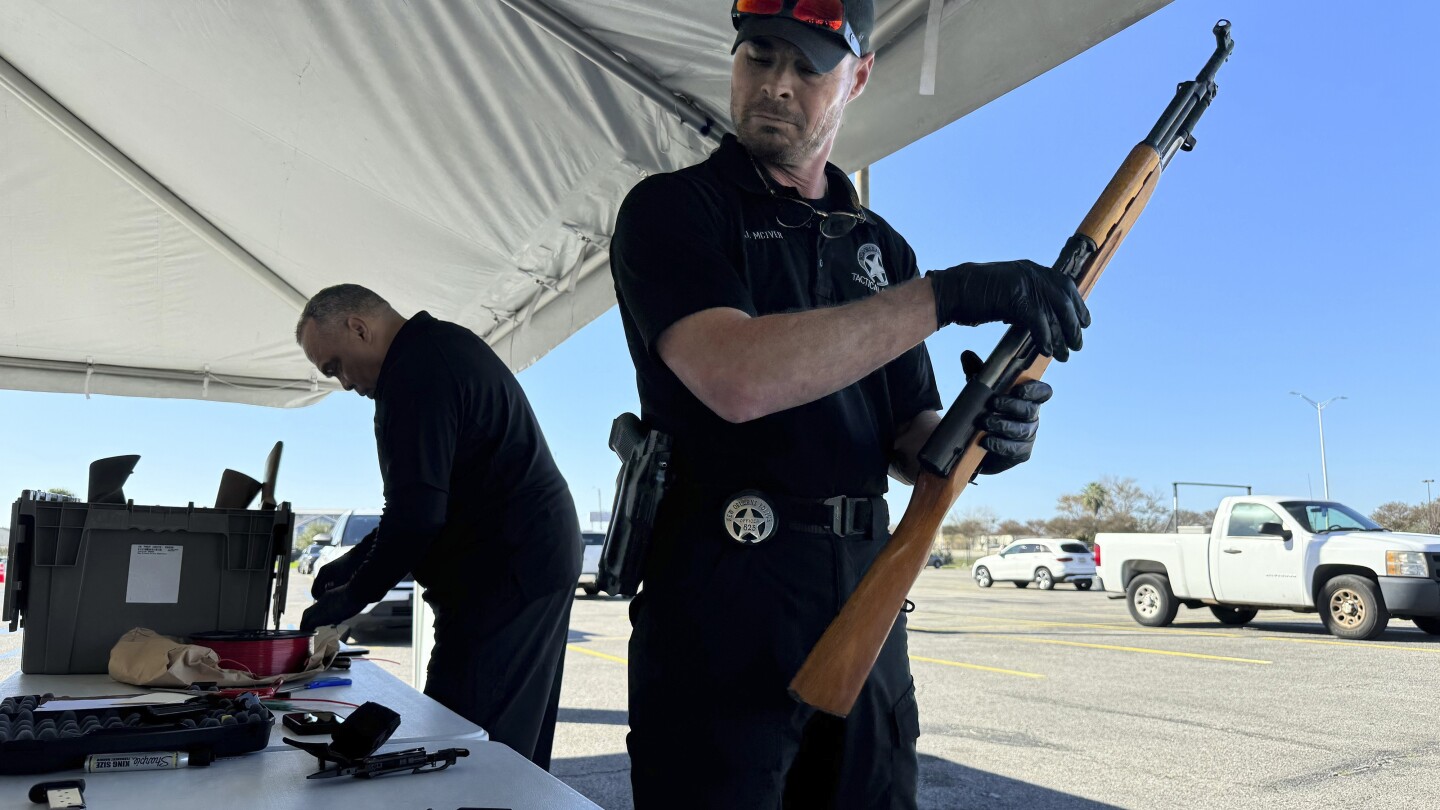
(640, 486)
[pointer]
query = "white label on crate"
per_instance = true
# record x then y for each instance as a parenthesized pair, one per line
(154, 574)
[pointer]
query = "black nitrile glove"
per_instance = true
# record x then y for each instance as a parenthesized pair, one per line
(337, 572)
(1020, 293)
(334, 607)
(1009, 421)
(331, 575)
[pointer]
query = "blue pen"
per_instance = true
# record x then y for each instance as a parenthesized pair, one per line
(324, 682)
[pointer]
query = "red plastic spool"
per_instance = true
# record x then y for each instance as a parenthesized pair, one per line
(260, 652)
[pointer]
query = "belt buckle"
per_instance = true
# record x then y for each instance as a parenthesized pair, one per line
(842, 515)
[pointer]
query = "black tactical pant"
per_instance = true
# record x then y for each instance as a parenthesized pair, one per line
(498, 662)
(718, 632)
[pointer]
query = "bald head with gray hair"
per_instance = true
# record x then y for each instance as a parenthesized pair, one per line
(332, 305)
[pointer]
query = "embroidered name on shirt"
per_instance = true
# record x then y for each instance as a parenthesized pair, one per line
(764, 235)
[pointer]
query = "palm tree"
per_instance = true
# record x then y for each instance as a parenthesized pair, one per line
(1095, 497)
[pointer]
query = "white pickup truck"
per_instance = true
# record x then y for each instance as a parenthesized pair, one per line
(1279, 553)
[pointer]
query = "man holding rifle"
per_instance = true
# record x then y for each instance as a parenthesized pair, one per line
(776, 328)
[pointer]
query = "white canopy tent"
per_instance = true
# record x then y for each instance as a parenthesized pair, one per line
(177, 177)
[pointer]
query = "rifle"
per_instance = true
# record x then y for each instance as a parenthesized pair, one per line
(836, 669)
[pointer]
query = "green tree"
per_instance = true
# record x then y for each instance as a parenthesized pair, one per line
(1112, 504)
(62, 491)
(1094, 497)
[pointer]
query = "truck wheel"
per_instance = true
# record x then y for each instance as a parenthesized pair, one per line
(1430, 624)
(1351, 607)
(1233, 616)
(982, 577)
(1044, 579)
(1083, 584)
(1151, 601)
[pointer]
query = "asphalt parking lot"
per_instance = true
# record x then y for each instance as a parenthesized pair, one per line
(1056, 699)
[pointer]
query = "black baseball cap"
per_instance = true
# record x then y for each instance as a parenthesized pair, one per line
(823, 45)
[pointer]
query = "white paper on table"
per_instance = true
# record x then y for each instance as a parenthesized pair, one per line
(154, 574)
(80, 704)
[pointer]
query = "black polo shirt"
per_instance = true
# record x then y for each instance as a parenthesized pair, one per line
(707, 236)
(474, 504)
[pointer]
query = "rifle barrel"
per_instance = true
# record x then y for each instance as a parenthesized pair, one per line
(1172, 132)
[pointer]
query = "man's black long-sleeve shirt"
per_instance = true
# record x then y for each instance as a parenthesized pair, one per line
(474, 503)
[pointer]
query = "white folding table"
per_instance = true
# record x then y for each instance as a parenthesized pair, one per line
(492, 776)
(420, 716)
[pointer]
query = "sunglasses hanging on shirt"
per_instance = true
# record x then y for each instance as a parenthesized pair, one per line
(833, 224)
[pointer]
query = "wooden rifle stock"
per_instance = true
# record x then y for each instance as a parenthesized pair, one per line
(836, 669)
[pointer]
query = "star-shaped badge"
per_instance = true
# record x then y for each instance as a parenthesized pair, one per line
(749, 518)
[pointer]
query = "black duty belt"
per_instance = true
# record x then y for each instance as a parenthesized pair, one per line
(860, 518)
(751, 516)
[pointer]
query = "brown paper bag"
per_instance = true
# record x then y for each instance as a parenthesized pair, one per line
(145, 658)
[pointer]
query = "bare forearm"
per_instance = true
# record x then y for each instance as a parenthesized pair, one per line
(804, 356)
(745, 368)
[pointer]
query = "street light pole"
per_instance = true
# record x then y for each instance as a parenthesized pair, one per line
(1429, 515)
(1320, 417)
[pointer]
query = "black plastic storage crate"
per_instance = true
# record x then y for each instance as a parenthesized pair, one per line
(81, 575)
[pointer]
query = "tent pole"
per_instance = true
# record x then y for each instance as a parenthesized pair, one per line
(563, 29)
(862, 186)
(173, 375)
(543, 297)
(102, 150)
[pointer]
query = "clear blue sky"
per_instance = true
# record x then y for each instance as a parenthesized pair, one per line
(1291, 251)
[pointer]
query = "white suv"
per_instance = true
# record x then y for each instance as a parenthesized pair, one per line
(1043, 562)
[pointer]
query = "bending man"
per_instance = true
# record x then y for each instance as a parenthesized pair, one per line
(475, 508)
